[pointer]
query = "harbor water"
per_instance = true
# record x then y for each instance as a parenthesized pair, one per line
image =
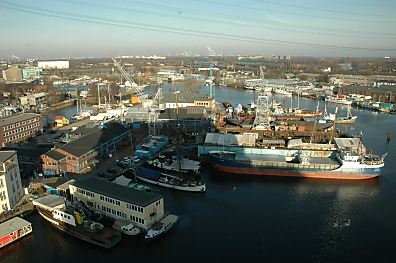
(256, 219)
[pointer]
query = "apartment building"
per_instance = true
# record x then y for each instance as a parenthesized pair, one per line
(11, 190)
(19, 127)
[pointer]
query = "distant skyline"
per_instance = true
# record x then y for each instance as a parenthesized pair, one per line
(99, 28)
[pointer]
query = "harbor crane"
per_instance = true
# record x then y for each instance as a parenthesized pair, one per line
(152, 106)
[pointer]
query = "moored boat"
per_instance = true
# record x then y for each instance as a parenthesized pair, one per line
(73, 221)
(14, 229)
(183, 165)
(348, 119)
(156, 177)
(338, 165)
(161, 227)
(126, 227)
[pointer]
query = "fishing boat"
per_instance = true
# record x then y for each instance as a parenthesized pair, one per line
(74, 221)
(155, 177)
(13, 230)
(161, 227)
(341, 164)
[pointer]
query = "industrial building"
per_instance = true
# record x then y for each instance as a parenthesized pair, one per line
(19, 127)
(34, 99)
(119, 202)
(93, 145)
(31, 73)
(11, 190)
(62, 64)
(184, 100)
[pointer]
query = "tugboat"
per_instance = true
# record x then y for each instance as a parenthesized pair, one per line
(75, 222)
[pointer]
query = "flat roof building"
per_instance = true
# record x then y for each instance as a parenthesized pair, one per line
(19, 127)
(119, 202)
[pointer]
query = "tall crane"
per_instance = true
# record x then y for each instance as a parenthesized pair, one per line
(152, 105)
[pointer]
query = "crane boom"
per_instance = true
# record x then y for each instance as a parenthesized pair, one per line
(128, 78)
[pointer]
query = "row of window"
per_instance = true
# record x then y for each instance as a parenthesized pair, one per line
(109, 200)
(22, 135)
(135, 208)
(202, 103)
(62, 215)
(137, 219)
(21, 129)
(85, 192)
(114, 212)
(12, 126)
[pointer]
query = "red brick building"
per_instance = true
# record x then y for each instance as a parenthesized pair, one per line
(78, 155)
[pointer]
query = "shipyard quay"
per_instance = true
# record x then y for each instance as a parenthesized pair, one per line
(197, 131)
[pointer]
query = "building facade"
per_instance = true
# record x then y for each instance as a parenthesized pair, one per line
(31, 73)
(19, 127)
(119, 202)
(34, 99)
(79, 155)
(11, 190)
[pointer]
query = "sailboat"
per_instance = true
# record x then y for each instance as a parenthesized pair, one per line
(348, 119)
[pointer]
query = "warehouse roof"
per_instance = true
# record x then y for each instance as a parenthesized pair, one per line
(93, 140)
(55, 155)
(118, 192)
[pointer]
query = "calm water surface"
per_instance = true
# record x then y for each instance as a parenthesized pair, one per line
(256, 219)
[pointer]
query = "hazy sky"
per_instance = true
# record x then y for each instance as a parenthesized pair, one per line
(69, 28)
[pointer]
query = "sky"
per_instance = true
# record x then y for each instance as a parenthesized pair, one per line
(99, 28)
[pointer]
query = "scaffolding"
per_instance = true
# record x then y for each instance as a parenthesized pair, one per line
(262, 119)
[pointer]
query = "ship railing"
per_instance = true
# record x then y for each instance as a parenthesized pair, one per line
(296, 165)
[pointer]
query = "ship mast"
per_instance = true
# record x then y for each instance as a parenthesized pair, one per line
(178, 153)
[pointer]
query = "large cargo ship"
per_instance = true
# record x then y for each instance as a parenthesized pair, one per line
(339, 165)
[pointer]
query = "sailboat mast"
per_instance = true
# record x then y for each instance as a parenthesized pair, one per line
(178, 153)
